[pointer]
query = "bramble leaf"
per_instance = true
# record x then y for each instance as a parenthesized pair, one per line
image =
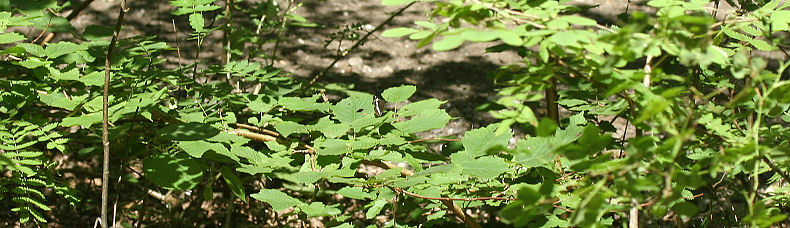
(398, 94)
(277, 199)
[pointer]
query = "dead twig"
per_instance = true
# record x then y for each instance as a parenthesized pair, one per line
(105, 116)
(357, 44)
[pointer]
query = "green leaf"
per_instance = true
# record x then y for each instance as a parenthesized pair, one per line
(427, 120)
(419, 107)
(32, 49)
(58, 100)
(396, 2)
(375, 209)
(97, 32)
(7, 38)
(398, 32)
(448, 43)
(478, 141)
(195, 148)
(333, 147)
(187, 132)
(485, 167)
(85, 120)
(176, 172)
(54, 50)
(234, 183)
(780, 20)
(398, 94)
(197, 22)
(287, 128)
(509, 37)
(356, 111)
(318, 209)
(277, 199)
(354, 193)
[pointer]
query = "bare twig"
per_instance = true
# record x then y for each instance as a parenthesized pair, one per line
(178, 48)
(281, 32)
(357, 44)
(254, 128)
(105, 116)
(254, 136)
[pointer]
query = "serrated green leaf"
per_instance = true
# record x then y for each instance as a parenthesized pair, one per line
(97, 32)
(427, 120)
(318, 209)
(197, 22)
(187, 132)
(6, 38)
(478, 141)
(54, 50)
(396, 2)
(234, 183)
(85, 120)
(398, 32)
(420, 106)
(354, 193)
(195, 148)
(356, 111)
(169, 171)
(375, 209)
(277, 199)
(287, 128)
(58, 100)
(32, 63)
(398, 94)
(485, 167)
(333, 147)
(195, 9)
(448, 43)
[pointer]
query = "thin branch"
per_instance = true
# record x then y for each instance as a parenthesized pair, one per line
(357, 44)
(105, 116)
(178, 48)
(400, 190)
(74, 13)
(449, 203)
(254, 128)
(775, 168)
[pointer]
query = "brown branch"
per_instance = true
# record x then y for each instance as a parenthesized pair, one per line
(254, 128)
(400, 190)
(562, 208)
(253, 135)
(552, 106)
(105, 116)
(460, 213)
(564, 176)
(449, 203)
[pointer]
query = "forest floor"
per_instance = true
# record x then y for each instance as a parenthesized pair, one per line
(459, 77)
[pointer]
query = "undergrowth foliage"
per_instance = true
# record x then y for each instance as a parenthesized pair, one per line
(702, 123)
